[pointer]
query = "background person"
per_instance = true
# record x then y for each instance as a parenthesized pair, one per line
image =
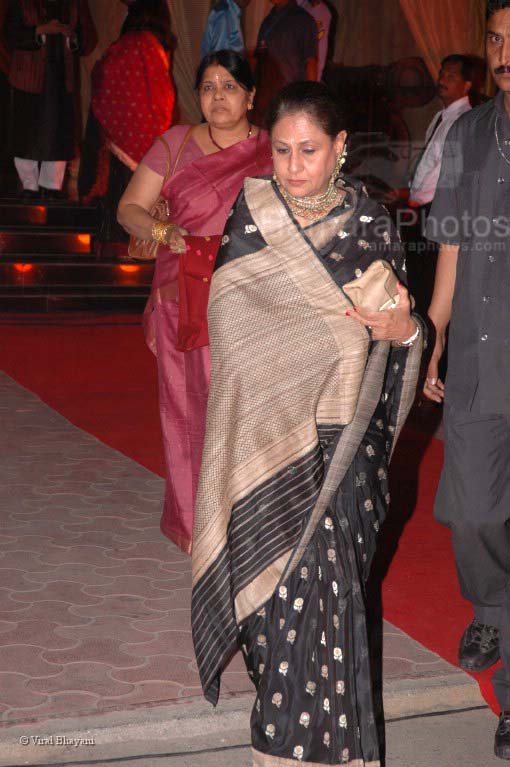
(286, 51)
(223, 30)
(469, 219)
(321, 14)
(132, 102)
(209, 164)
(303, 410)
(454, 82)
(45, 38)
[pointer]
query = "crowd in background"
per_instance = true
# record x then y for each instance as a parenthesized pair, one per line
(132, 90)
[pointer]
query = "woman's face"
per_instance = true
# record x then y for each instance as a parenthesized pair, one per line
(223, 101)
(303, 155)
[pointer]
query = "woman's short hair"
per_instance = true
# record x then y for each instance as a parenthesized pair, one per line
(310, 97)
(233, 62)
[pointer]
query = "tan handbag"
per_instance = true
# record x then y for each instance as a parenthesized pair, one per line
(146, 250)
(376, 289)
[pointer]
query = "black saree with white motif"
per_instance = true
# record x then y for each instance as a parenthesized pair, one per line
(303, 414)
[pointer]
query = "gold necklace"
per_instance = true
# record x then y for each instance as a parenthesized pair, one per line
(318, 205)
(313, 207)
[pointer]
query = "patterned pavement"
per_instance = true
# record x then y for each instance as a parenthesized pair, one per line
(94, 601)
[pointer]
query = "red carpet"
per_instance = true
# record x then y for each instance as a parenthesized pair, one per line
(420, 591)
(103, 379)
(100, 376)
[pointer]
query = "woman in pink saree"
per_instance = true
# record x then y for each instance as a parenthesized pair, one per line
(199, 170)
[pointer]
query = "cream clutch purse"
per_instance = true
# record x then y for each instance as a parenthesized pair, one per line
(376, 289)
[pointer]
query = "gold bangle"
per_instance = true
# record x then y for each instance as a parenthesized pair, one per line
(159, 231)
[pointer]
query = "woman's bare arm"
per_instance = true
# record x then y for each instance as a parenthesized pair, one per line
(133, 212)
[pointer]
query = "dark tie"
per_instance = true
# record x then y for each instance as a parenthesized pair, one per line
(432, 132)
(434, 129)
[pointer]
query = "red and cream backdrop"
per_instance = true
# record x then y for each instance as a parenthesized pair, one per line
(365, 34)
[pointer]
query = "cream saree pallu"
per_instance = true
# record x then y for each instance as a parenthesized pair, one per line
(302, 417)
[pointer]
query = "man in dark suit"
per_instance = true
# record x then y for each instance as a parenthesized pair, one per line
(470, 221)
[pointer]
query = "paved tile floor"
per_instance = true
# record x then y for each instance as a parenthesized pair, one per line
(94, 601)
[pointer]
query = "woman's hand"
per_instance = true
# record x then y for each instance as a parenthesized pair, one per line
(175, 238)
(391, 324)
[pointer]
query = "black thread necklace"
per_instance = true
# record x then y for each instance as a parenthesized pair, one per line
(498, 143)
(224, 147)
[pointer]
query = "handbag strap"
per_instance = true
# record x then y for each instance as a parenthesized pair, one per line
(168, 159)
(170, 169)
(183, 144)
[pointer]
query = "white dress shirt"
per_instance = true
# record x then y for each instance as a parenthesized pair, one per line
(423, 187)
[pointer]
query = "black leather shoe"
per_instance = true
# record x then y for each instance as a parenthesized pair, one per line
(479, 647)
(57, 195)
(30, 195)
(502, 737)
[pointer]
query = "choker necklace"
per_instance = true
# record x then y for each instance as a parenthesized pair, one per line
(224, 147)
(498, 143)
(318, 205)
(314, 207)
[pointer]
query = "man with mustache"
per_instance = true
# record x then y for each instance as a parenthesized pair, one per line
(453, 85)
(470, 221)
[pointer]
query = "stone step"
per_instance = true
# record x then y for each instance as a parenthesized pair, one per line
(109, 300)
(75, 275)
(18, 216)
(41, 242)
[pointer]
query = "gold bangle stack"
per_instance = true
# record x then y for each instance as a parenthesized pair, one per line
(159, 231)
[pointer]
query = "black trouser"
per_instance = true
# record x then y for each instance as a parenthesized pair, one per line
(474, 501)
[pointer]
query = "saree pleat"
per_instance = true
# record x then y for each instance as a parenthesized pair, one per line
(303, 415)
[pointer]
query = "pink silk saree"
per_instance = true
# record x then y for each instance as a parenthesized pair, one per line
(201, 194)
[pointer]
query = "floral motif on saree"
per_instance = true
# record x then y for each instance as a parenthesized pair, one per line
(284, 526)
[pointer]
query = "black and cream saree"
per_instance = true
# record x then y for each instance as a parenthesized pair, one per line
(303, 413)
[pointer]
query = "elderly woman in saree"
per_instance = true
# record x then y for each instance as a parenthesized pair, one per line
(309, 391)
(199, 171)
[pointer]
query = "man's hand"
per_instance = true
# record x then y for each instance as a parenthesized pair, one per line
(433, 387)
